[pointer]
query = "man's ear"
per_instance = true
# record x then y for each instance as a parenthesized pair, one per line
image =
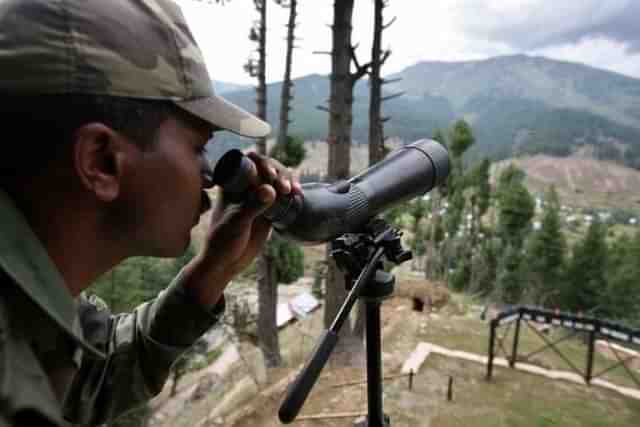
(100, 155)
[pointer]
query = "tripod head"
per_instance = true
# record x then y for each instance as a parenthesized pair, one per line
(359, 256)
(352, 251)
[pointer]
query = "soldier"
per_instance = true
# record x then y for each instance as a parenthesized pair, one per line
(106, 106)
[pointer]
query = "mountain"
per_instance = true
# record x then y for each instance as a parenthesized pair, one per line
(516, 105)
(224, 87)
(529, 104)
(555, 84)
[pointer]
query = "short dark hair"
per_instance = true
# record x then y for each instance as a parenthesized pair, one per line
(45, 125)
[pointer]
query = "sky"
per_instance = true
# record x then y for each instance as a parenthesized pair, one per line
(600, 33)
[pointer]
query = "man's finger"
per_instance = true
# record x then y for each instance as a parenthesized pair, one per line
(266, 168)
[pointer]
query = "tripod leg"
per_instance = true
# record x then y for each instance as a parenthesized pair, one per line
(374, 364)
(376, 417)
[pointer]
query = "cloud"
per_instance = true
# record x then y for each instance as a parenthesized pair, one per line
(597, 52)
(537, 24)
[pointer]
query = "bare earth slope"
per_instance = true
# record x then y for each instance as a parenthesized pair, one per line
(581, 181)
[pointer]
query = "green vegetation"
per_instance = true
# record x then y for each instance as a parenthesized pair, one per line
(502, 244)
(137, 280)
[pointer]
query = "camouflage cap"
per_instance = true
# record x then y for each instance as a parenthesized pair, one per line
(128, 48)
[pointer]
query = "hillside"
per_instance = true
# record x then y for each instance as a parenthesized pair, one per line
(581, 182)
(516, 105)
(512, 398)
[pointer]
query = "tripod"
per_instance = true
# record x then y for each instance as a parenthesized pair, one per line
(359, 257)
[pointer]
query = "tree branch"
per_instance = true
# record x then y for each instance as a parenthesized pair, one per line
(386, 81)
(395, 95)
(361, 70)
(385, 56)
(388, 24)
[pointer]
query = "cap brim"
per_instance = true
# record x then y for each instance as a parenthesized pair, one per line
(223, 114)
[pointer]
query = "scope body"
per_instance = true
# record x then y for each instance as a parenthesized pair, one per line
(325, 211)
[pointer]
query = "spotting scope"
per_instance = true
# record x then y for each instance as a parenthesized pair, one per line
(325, 211)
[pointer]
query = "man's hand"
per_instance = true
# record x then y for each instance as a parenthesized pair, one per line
(238, 231)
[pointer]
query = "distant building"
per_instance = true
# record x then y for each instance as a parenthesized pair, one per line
(604, 216)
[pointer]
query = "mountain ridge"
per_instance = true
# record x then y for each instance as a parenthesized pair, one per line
(516, 104)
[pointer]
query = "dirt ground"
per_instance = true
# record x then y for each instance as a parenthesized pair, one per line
(331, 394)
(582, 182)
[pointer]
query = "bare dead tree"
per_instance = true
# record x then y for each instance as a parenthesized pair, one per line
(256, 67)
(378, 58)
(339, 139)
(287, 84)
(267, 287)
(376, 121)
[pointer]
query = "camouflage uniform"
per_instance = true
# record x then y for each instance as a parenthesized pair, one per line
(66, 361)
(60, 356)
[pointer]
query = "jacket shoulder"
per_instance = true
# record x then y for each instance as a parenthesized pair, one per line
(26, 397)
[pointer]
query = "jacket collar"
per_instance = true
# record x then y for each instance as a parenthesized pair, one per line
(26, 261)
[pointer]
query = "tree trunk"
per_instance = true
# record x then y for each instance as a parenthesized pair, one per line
(340, 103)
(376, 129)
(287, 84)
(430, 252)
(267, 303)
(349, 350)
(341, 97)
(267, 288)
(261, 90)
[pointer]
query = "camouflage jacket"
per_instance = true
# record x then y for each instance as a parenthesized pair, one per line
(65, 361)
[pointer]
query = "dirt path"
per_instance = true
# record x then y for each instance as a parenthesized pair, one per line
(424, 349)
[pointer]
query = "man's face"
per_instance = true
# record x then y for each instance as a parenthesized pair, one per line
(163, 192)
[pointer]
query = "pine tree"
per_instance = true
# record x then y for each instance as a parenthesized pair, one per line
(586, 282)
(485, 267)
(455, 211)
(461, 137)
(622, 297)
(480, 179)
(516, 207)
(546, 253)
(511, 282)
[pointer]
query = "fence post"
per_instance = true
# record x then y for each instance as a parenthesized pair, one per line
(590, 349)
(492, 337)
(516, 338)
(450, 389)
(411, 379)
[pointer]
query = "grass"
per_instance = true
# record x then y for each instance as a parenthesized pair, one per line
(512, 399)
(470, 334)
